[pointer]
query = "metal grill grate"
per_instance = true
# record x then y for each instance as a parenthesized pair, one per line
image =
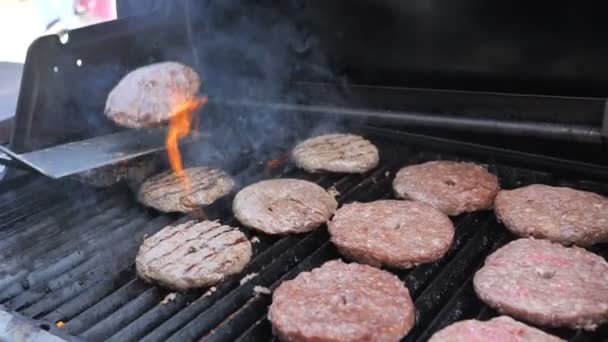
(68, 253)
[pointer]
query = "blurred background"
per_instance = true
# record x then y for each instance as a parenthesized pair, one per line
(22, 21)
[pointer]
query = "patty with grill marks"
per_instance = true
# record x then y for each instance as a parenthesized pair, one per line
(558, 214)
(342, 302)
(192, 255)
(132, 171)
(146, 96)
(169, 192)
(499, 329)
(452, 187)
(393, 233)
(282, 206)
(546, 283)
(346, 153)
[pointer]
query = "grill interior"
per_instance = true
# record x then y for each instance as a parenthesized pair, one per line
(68, 251)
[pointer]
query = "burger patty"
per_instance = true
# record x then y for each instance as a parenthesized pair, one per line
(499, 329)
(546, 283)
(192, 255)
(281, 206)
(347, 153)
(147, 96)
(133, 171)
(559, 214)
(392, 233)
(452, 187)
(169, 192)
(342, 302)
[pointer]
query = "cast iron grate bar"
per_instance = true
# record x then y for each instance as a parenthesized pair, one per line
(55, 282)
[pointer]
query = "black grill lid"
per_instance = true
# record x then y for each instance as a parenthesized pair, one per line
(510, 46)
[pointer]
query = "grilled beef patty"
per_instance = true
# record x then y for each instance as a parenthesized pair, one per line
(392, 233)
(499, 329)
(146, 96)
(452, 187)
(192, 255)
(282, 206)
(559, 214)
(167, 191)
(133, 171)
(346, 153)
(342, 302)
(546, 283)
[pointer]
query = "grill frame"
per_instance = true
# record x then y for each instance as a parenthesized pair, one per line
(233, 308)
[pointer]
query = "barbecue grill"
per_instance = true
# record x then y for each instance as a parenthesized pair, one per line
(68, 250)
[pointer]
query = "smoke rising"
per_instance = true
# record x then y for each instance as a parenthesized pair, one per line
(252, 51)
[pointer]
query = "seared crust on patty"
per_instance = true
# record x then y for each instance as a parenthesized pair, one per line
(282, 206)
(342, 302)
(346, 153)
(167, 191)
(452, 187)
(193, 254)
(392, 233)
(556, 213)
(546, 283)
(146, 96)
(503, 328)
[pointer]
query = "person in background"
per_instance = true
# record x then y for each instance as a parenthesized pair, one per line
(103, 9)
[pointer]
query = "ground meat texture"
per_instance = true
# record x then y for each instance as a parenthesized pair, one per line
(556, 213)
(452, 187)
(282, 206)
(146, 96)
(499, 329)
(193, 255)
(546, 283)
(168, 192)
(132, 171)
(342, 302)
(393, 233)
(347, 153)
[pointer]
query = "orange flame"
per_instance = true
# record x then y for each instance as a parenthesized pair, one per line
(179, 126)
